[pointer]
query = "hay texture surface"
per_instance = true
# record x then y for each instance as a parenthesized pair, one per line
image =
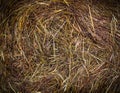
(59, 46)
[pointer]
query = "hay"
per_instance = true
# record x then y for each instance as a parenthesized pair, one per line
(57, 46)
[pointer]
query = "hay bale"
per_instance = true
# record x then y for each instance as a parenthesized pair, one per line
(60, 46)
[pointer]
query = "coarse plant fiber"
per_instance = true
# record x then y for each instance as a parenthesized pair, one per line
(59, 46)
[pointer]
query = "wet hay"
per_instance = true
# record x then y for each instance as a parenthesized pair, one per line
(59, 46)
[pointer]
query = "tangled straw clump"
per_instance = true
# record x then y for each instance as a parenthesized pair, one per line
(60, 46)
